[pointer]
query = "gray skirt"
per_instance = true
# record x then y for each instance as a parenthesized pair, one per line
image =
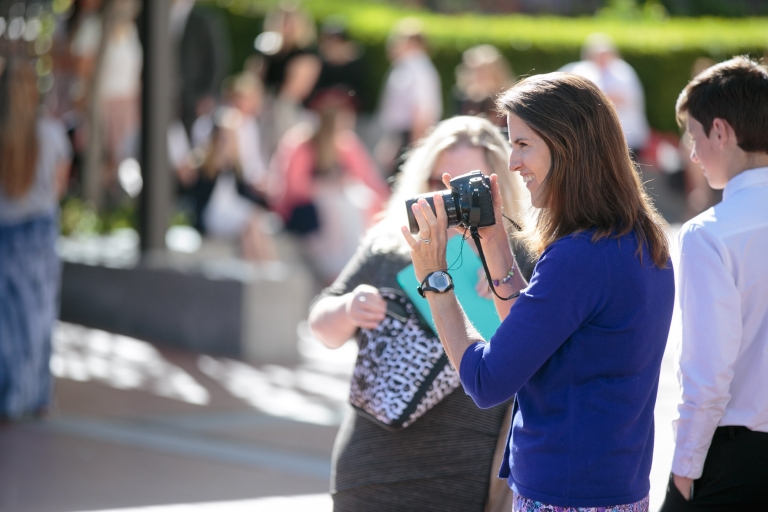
(30, 273)
(443, 462)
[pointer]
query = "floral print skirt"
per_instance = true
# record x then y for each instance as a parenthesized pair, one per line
(522, 504)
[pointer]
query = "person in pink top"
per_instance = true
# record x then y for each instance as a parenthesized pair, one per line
(327, 188)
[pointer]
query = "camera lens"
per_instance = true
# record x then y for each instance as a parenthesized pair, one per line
(450, 209)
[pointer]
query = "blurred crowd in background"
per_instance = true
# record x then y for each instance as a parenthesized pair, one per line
(284, 144)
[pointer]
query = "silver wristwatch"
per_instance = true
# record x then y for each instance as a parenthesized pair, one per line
(439, 282)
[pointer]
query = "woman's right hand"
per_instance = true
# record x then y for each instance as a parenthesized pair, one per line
(365, 307)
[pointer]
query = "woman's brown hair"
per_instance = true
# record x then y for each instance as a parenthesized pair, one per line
(18, 128)
(593, 183)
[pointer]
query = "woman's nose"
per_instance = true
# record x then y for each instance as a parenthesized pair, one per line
(515, 164)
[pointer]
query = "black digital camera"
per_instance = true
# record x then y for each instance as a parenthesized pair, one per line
(468, 203)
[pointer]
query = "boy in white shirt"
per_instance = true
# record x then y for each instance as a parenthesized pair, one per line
(721, 434)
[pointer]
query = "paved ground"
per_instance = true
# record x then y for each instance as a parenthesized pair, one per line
(136, 426)
(141, 428)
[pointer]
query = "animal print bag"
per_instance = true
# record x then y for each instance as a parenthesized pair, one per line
(401, 370)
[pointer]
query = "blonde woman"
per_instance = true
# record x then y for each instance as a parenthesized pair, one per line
(443, 460)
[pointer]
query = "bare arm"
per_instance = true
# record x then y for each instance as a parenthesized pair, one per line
(61, 178)
(301, 76)
(454, 329)
(500, 254)
(335, 319)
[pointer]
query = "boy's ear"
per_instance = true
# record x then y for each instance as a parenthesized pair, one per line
(723, 133)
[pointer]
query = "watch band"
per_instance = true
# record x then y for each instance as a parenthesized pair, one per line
(426, 287)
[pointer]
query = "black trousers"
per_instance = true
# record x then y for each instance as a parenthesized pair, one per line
(735, 476)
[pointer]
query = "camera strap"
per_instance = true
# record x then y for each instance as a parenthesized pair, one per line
(476, 237)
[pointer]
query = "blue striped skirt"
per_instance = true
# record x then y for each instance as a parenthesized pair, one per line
(30, 274)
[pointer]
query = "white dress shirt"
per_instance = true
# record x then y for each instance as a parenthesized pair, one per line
(722, 290)
(620, 79)
(412, 86)
(249, 150)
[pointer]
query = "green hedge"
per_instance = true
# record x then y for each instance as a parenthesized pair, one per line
(662, 51)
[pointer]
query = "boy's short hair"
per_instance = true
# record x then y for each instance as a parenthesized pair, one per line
(735, 90)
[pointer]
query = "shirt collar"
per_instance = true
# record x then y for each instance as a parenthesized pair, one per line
(746, 179)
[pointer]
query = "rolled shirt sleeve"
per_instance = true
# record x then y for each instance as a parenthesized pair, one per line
(711, 315)
(567, 289)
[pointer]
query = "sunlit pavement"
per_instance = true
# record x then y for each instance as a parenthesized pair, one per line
(139, 428)
(310, 502)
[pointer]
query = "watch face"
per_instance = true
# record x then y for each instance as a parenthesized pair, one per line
(439, 281)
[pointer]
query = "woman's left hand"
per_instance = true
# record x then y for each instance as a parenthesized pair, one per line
(482, 288)
(497, 231)
(428, 247)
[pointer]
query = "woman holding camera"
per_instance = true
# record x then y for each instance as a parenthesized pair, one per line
(442, 460)
(582, 345)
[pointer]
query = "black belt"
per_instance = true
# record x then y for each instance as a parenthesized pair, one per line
(733, 430)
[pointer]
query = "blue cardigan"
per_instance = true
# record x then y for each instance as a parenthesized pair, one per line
(582, 349)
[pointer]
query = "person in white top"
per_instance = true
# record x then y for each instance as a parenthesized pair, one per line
(618, 80)
(244, 92)
(412, 100)
(721, 433)
(120, 87)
